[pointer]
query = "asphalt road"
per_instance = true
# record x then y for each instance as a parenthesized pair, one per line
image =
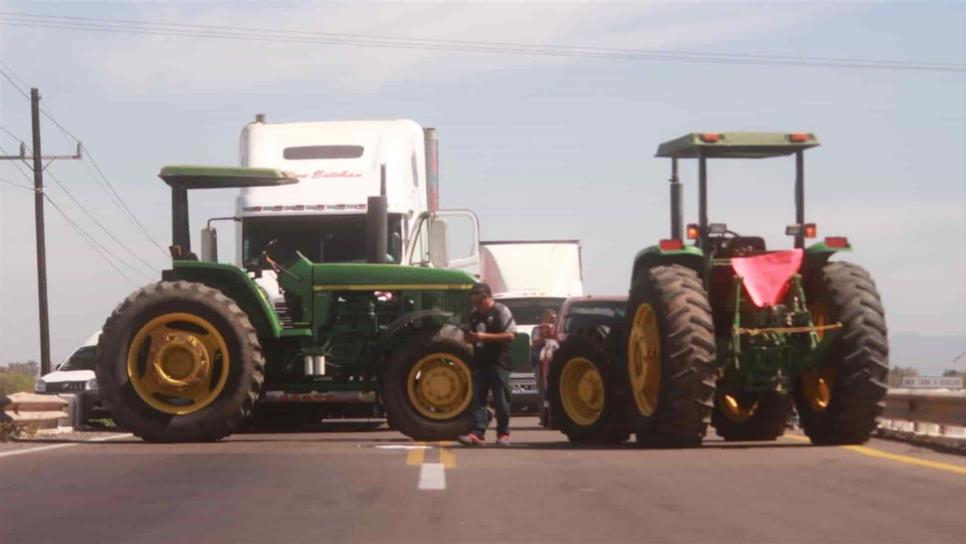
(377, 486)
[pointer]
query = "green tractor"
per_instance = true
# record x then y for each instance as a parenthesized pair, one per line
(187, 358)
(725, 331)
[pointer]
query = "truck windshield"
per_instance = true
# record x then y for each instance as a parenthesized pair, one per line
(321, 238)
(529, 310)
(82, 359)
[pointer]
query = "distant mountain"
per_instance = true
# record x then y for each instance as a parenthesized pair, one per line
(929, 354)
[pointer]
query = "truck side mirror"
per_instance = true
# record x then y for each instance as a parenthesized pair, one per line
(209, 244)
(438, 232)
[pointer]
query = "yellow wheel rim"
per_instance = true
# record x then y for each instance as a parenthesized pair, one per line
(819, 319)
(817, 384)
(817, 388)
(736, 409)
(644, 359)
(178, 363)
(440, 386)
(581, 391)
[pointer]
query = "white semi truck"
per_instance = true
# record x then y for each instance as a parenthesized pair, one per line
(340, 165)
(531, 277)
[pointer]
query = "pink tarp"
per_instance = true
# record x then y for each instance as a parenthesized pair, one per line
(766, 276)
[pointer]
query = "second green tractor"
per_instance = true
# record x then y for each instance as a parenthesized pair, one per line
(721, 330)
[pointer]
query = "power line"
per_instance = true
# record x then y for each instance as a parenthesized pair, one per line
(17, 166)
(15, 184)
(43, 109)
(13, 83)
(130, 214)
(86, 212)
(367, 40)
(11, 134)
(101, 226)
(95, 245)
(118, 200)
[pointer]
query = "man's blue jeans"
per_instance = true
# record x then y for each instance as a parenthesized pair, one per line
(485, 381)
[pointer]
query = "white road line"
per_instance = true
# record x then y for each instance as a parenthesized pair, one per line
(432, 476)
(56, 446)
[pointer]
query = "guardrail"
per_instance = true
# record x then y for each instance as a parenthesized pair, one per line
(924, 415)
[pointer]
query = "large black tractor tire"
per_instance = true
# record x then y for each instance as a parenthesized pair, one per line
(767, 419)
(438, 410)
(186, 318)
(857, 363)
(584, 403)
(669, 352)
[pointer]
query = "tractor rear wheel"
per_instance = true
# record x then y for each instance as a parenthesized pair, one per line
(179, 361)
(751, 416)
(838, 402)
(583, 400)
(668, 373)
(428, 386)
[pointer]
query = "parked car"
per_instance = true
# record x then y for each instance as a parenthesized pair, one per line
(76, 376)
(581, 313)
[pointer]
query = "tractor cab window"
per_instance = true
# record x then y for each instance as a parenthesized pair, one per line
(321, 238)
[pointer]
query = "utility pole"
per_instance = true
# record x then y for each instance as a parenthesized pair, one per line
(41, 240)
(38, 168)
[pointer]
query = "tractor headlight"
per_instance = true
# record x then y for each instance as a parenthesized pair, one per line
(90, 385)
(41, 386)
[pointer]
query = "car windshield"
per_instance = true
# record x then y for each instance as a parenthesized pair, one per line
(529, 311)
(590, 314)
(82, 359)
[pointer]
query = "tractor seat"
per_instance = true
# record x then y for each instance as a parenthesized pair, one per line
(741, 246)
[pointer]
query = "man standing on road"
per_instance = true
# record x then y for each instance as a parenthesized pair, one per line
(491, 332)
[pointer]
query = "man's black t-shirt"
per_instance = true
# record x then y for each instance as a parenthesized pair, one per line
(495, 320)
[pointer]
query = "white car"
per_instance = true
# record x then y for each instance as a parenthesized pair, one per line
(76, 376)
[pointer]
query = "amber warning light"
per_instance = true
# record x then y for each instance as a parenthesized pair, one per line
(693, 231)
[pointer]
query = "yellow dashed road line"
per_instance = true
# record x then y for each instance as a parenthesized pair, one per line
(416, 456)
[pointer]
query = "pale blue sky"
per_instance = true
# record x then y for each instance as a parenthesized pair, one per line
(539, 147)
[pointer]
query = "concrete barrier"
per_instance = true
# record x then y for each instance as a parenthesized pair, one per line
(37, 411)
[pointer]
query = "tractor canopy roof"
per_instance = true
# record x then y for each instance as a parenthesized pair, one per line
(736, 145)
(223, 177)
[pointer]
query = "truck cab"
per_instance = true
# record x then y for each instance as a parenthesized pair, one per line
(340, 165)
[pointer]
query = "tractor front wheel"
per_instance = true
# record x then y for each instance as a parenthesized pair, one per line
(179, 361)
(428, 386)
(839, 401)
(668, 376)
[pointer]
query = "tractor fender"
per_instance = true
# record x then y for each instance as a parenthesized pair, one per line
(234, 283)
(689, 256)
(817, 255)
(401, 331)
